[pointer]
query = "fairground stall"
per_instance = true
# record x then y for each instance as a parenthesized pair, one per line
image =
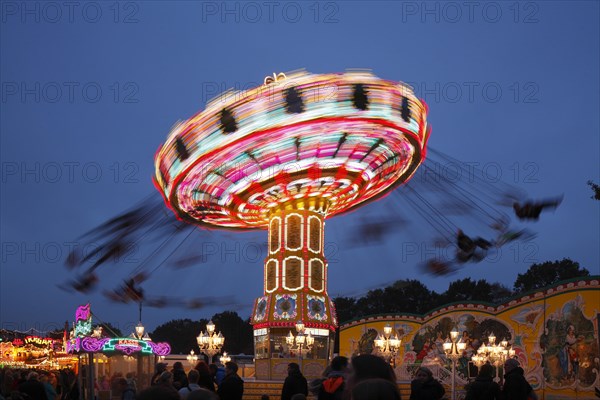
(26, 350)
(103, 358)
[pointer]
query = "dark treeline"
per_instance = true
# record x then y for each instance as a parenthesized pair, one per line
(412, 296)
(403, 296)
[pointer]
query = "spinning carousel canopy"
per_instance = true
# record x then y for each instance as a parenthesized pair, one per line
(328, 142)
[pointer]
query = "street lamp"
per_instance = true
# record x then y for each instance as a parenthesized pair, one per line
(224, 358)
(140, 334)
(209, 342)
(303, 341)
(387, 344)
(454, 350)
(192, 358)
(493, 353)
(139, 330)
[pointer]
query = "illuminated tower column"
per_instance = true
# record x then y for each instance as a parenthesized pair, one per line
(295, 289)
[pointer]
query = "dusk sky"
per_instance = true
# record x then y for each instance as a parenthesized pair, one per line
(90, 90)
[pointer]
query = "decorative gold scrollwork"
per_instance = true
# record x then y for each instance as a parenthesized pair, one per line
(275, 78)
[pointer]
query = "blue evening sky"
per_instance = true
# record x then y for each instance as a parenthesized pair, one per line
(91, 89)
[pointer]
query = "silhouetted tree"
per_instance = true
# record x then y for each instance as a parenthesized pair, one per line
(180, 334)
(110, 330)
(467, 290)
(499, 293)
(596, 189)
(345, 307)
(548, 273)
(237, 332)
(403, 296)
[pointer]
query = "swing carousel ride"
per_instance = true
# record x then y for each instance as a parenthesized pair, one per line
(284, 157)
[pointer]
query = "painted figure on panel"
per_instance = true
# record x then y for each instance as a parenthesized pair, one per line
(570, 348)
(427, 344)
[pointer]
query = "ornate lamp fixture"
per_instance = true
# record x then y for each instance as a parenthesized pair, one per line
(387, 345)
(209, 342)
(454, 348)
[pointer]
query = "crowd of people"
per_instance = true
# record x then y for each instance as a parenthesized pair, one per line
(369, 377)
(364, 377)
(18, 384)
(203, 382)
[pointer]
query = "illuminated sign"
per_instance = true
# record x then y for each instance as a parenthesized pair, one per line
(73, 345)
(260, 332)
(128, 346)
(124, 345)
(38, 341)
(83, 313)
(83, 321)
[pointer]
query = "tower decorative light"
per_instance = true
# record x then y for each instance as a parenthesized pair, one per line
(303, 341)
(454, 347)
(209, 342)
(387, 345)
(192, 358)
(285, 156)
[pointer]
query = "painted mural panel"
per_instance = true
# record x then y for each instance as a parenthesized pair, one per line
(554, 333)
(360, 341)
(427, 343)
(570, 347)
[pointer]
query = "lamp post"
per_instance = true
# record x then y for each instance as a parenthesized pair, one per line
(303, 340)
(387, 344)
(192, 358)
(140, 333)
(493, 353)
(224, 358)
(454, 348)
(209, 342)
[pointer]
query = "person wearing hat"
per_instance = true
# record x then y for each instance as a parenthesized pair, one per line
(294, 383)
(515, 385)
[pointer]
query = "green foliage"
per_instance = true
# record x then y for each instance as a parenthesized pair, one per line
(541, 275)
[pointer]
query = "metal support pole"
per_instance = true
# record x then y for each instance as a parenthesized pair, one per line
(301, 363)
(79, 377)
(90, 377)
(140, 371)
(453, 379)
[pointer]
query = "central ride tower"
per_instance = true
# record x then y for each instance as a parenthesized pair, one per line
(284, 157)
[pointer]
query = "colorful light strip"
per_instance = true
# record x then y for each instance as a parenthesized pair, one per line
(126, 346)
(330, 150)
